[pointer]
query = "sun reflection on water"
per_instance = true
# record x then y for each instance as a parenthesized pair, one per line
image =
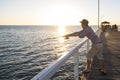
(61, 32)
(61, 29)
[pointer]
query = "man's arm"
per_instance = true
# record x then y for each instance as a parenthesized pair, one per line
(72, 34)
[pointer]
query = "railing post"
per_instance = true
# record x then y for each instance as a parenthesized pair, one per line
(76, 71)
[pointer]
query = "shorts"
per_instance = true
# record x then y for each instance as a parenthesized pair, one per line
(96, 50)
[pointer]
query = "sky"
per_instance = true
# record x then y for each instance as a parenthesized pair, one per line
(57, 12)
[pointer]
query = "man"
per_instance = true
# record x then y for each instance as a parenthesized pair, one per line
(96, 48)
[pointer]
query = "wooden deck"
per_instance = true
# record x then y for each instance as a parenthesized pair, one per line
(112, 60)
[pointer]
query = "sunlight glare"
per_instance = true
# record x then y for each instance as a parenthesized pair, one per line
(61, 32)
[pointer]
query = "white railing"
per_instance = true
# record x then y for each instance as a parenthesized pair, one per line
(48, 72)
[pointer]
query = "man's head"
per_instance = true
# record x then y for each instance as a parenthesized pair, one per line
(84, 23)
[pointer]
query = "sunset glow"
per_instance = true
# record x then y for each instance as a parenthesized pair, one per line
(57, 12)
(60, 15)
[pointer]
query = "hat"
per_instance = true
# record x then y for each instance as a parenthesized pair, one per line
(84, 21)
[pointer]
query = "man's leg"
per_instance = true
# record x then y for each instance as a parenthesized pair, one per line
(101, 59)
(102, 63)
(88, 66)
(89, 56)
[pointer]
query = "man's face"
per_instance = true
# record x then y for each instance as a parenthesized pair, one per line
(83, 25)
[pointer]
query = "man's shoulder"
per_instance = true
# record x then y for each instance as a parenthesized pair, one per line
(88, 28)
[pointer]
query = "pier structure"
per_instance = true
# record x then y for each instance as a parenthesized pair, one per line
(111, 53)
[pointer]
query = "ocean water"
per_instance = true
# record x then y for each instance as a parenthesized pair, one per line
(26, 50)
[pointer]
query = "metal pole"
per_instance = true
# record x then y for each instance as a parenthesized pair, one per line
(98, 12)
(76, 71)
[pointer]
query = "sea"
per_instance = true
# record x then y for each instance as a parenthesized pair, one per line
(25, 50)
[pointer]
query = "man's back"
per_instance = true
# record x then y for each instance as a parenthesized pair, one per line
(90, 34)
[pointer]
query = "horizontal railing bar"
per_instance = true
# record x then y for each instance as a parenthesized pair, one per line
(49, 71)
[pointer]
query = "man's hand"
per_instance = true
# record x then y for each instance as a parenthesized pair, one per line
(66, 37)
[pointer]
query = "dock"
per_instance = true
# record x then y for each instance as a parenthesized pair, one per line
(111, 53)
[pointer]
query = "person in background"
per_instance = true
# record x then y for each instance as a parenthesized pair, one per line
(97, 46)
(114, 28)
